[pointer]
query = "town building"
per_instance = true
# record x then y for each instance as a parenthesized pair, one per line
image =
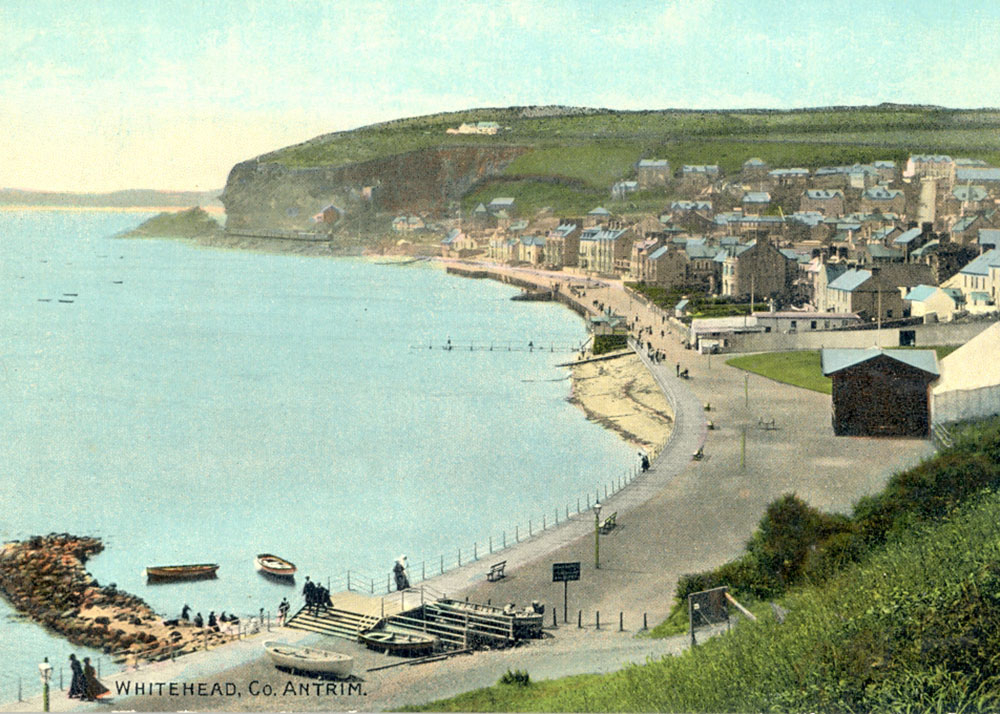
(759, 269)
(652, 173)
(826, 201)
(937, 166)
(604, 250)
(883, 200)
(562, 245)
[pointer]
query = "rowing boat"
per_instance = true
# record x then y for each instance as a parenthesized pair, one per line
(274, 566)
(181, 572)
(403, 644)
(309, 659)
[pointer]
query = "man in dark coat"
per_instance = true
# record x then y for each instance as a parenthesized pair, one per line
(309, 593)
(77, 686)
(199, 620)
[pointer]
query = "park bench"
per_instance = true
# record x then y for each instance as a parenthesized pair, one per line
(496, 571)
(768, 424)
(609, 523)
(710, 424)
(699, 454)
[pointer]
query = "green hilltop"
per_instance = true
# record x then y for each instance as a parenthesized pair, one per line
(573, 155)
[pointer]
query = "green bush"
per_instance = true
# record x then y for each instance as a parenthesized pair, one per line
(518, 677)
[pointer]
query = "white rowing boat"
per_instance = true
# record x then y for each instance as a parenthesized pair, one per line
(309, 659)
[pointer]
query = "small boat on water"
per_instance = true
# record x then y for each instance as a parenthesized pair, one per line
(163, 573)
(274, 566)
(402, 644)
(309, 659)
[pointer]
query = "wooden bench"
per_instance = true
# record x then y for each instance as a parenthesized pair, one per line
(496, 571)
(609, 523)
(768, 424)
(699, 454)
(710, 424)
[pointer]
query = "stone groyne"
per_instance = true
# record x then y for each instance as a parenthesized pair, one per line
(45, 579)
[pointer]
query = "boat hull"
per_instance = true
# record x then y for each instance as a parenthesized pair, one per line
(274, 567)
(309, 659)
(167, 573)
(397, 643)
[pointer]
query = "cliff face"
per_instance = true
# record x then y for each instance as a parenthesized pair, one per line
(271, 196)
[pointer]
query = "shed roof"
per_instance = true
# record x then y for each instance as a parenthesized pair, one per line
(837, 360)
(907, 237)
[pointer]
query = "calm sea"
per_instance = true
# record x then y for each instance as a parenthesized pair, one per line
(197, 405)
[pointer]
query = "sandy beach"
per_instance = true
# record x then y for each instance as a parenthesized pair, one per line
(621, 395)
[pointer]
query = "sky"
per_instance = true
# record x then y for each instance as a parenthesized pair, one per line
(100, 95)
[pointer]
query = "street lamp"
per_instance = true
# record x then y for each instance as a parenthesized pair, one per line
(45, 674)
(597, 535)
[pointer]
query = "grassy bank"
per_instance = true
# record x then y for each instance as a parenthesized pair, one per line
(801, 368)
(915, 628)
(893, 608)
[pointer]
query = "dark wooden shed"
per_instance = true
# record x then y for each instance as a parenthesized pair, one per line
(881, 392)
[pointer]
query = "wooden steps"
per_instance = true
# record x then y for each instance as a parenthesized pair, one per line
(334, 622)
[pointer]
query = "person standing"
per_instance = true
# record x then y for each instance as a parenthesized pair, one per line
(309, 593)
(77, 685)
(93, 689)
(283, 609)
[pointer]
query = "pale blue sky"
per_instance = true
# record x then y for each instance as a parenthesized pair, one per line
(105, 94)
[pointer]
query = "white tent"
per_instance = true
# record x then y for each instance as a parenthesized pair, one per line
(969, 387)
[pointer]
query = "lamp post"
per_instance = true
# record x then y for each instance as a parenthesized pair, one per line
(597, 535)
(45, 674)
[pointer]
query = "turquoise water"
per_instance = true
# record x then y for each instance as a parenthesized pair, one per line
(197, 405)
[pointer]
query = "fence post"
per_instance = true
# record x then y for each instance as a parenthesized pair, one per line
(517, 534)
(554, 622)
(388, 584)
(268, 620)
(19, 697)
(578, 506)
(442, 564)
(491, 545)
(621, 621)
(423, 570)
(60, 679)
(505, 539)
(645, 624)
(460, 557)
(348, 581)
(579, 619)
(99, 667)
(598, 619)
(475, 551)
(529, 528)
(372, 585)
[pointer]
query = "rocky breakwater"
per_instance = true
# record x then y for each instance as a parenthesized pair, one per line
(45, 578)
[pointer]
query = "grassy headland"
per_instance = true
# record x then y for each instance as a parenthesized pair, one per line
(894, 608)
(191, 223)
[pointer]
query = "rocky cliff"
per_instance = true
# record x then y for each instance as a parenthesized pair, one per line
(262, 195)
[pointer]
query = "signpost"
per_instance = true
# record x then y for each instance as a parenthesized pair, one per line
(564, 572)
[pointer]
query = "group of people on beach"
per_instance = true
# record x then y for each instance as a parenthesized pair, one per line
(214, 623)
(85, 685)
(316, 596)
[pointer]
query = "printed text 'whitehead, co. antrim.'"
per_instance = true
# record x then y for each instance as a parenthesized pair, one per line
(255, 688)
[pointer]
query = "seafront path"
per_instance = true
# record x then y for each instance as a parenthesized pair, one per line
(686, 516)
(682, 516)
